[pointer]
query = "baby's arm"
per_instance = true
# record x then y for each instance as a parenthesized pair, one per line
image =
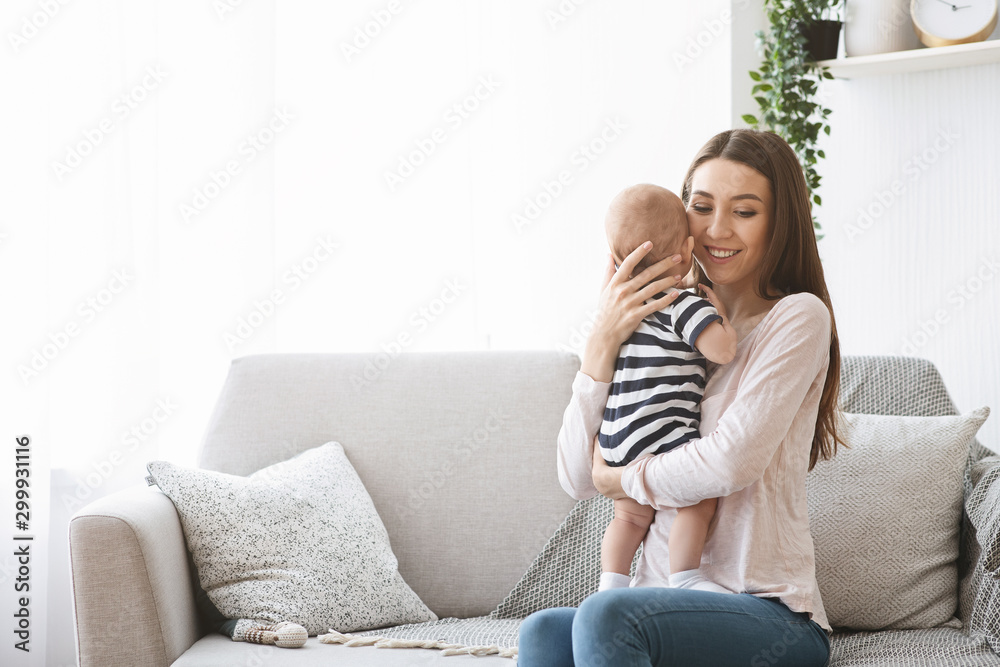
(717, 342)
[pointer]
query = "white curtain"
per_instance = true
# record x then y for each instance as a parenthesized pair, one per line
(188, 182)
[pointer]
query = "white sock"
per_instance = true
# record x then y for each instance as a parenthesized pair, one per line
(611, 580)
(696, 581)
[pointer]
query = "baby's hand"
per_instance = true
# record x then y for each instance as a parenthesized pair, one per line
(717, 343)
(714, 300)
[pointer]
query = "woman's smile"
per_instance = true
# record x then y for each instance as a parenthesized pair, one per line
(720, 255)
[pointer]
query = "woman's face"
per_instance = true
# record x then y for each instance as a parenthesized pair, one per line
(729, 214)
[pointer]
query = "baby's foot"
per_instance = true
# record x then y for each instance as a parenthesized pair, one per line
(611, 580)
(283, 635)
(694, 580)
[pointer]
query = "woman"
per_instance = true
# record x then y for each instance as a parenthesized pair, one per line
(766, 419)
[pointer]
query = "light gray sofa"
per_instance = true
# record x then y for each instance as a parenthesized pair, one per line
(458, 453)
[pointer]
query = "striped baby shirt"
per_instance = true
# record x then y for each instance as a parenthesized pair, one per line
(659, 379)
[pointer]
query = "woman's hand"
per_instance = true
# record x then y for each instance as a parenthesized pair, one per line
(608, 480)
(623, 305)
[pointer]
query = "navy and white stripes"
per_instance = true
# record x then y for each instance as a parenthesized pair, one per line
(656, 391)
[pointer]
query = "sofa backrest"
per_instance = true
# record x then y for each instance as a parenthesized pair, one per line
(902, 386)
(456, 449)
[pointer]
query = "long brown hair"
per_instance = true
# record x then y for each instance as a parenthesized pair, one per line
(791, 263)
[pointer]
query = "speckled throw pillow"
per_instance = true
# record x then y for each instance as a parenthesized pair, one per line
(298, 541)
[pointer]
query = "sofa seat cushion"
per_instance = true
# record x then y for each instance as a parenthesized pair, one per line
(215, 650)
(885, 516)
(297, 541)
(935, 647)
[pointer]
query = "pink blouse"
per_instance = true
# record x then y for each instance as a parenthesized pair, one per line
(757, 421)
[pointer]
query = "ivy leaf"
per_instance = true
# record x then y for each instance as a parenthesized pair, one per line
(787, 85)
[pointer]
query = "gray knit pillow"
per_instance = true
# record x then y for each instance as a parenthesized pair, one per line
(298, 541)
(885, 516)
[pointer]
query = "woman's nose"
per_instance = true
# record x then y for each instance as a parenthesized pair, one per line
(718, 226)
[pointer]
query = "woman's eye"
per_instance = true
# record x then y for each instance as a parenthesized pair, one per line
(701, 208)
(746, 214)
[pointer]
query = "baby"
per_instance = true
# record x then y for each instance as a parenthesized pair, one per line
(658, 383)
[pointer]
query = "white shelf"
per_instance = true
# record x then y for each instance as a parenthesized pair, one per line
(916, 60)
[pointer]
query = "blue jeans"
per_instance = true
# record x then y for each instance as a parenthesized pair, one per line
(629, 627)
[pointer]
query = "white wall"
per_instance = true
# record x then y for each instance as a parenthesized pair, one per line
(912, 220)
(528, 282)
(671, 74)
(197, 82)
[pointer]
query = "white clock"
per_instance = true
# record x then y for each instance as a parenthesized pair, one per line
(947, 22)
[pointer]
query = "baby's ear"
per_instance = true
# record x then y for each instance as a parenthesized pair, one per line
(690, 245)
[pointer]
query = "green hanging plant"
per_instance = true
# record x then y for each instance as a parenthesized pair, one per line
(786, 85)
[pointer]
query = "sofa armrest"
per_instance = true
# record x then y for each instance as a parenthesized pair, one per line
(983, 508)
(132, 586)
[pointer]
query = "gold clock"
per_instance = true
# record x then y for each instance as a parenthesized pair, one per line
(947, 22)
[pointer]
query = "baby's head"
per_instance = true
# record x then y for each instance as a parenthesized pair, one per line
(647, 212)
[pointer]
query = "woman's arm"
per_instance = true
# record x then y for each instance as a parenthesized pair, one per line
(581, 422)
(789, 355)
(622, 307)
